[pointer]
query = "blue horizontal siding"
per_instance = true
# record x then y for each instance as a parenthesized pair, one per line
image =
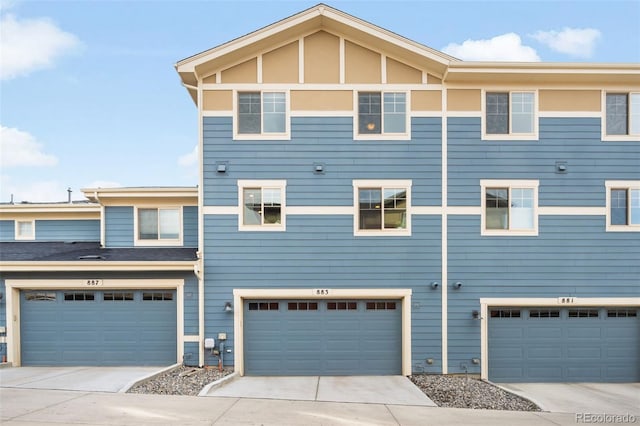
(190, 226)
(7, 230)
(327, 140)
(577, 141)
(119, 226)
(191, 306)
(572, 256)
(321, 252)
(67, 230)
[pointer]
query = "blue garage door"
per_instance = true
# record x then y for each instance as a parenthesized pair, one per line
(322, 337)
(564, 345)
(104, 327)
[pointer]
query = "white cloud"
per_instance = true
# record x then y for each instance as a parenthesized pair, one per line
(18, 148)
(39, 191)
(31, 44)
(190, 159)
(505, 47)
(578, 42)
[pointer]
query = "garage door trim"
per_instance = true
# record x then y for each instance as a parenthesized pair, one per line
(13, 288)
(239, 296)
(487, 303)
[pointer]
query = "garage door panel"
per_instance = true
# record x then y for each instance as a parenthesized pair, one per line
(335, 338)
(98, 331)
(575, 344)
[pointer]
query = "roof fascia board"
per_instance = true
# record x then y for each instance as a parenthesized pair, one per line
(49, 208)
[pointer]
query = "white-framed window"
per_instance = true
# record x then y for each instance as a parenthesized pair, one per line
(262, 205)
(158, 226)
(510, 115)
(621, 116)
(509, 207)
(623, 206)
(25, 230)
(382, 207)
(382, 115)
(261, 115)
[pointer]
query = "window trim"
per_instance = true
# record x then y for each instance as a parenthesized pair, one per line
(278, 184)
(510, 136)
(619, 184)
(510, 184)
(382, 135)
(603, 120)
(20, 237)
(262, 136)
(158, 242)
(366, 183)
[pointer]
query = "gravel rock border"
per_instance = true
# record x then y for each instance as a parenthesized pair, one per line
(181, 381)
(445, 391)
(468, 392)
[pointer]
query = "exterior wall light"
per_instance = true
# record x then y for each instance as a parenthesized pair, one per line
(435, 285)
(228, 307)
(457, 285)
(475, 315)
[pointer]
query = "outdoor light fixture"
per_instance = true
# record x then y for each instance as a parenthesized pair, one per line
(476, 315)
(434, 285)
(457, 285)
(228, 307)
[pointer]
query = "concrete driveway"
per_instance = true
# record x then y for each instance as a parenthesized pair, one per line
(88, 379)
(396, 390)
(581, 398)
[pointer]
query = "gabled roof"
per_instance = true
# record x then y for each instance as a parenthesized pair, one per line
(319, 17)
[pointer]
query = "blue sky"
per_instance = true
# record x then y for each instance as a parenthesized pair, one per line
(89, 95)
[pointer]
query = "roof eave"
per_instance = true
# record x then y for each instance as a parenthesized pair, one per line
(105, 266)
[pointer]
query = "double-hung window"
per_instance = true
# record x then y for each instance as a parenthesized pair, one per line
(382, 207)
(382, 114)
(262, 115)
(622, 115)
(25, 230)
(509, 207)
(510, 115)
(159, 226)
(623, 206)
(262, 205)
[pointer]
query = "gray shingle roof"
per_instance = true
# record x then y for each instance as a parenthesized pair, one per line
(89, 251)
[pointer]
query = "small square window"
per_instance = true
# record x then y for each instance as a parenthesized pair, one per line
(382, 207)
(159, 226)
(382, 113)
(623, 206)
(25, 230)
(509, 207)
(262, 114)
(262, 205)
(622, 114)
(510, 115)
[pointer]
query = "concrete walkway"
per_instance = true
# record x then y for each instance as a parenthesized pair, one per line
(609, 398)
(19, 407)
(395, 390)
(89, 379)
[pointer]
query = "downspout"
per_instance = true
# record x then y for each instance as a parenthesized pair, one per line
(200, 224)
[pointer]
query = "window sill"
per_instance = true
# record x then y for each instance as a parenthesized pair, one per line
(509, 233)
(383, 137)
(262, 228)
(512, 137)
(158, 243)
(620, 138)
(623, 228)
(383, 233)
(262, 137)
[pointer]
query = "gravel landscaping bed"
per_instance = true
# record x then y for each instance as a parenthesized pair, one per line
(181, 381)
(468, 392)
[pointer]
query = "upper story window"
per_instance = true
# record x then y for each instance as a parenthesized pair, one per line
(623, 206)
(509, 207)
(382, 113)
(262, 205)
(622, 114)
(262, 115)
(382, 207)
(159, 226)
(510, 115)
(25, 230)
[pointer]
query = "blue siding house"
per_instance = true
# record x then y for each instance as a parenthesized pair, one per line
(366, 205)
